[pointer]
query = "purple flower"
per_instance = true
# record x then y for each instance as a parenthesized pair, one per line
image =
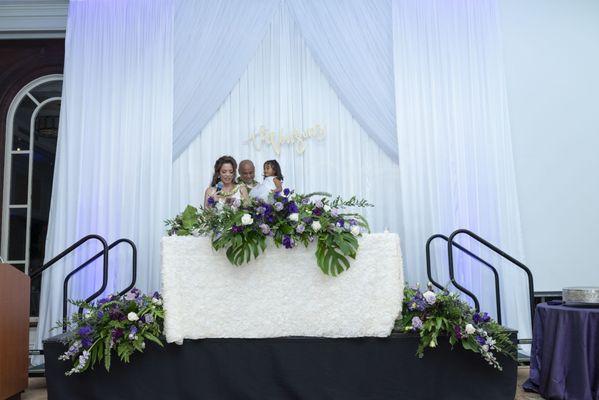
(211, 201)
(133, 330)
(481, 340)
(300, 228)
(270, 219)
(85, 330)
(317, 211)
(278, 206)
(147, 318)
(292, 207)
(335, 212)
(260, 210)
(352, 222)
(116, 314)
(458, 332)
(237, 229)
(416, 323)
(319, 204)
(100, 314)
(116, 334)
(286, 192)
(288, 242)
(340, 223)
(103, 301)
(265, 229)
(481, 318)
(87, 342)
(156, 295)
(417, 303)
(305, 200)
(307, 220)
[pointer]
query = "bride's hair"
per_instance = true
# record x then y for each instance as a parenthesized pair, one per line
(218, 165)
(275, 165)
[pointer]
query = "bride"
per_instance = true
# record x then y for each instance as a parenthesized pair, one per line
(223, 188)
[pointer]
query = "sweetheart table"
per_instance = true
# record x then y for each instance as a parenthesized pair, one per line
(280, 293)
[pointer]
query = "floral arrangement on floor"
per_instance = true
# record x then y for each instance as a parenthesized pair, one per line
(120, 324)
(242, 229)
(442, 314)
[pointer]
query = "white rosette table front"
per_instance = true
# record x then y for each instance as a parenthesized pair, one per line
(281, 293)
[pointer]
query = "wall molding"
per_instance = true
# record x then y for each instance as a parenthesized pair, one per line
(30, 19)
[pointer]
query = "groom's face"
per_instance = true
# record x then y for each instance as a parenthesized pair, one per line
(247, 172)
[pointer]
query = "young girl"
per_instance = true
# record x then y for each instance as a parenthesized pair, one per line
(272, 182)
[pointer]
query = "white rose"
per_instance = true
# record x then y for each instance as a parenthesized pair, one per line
(485, 347)
(156, 301)
(470, 329)
(294, 217)
(316, 226)
(355, 230)
(430, 297)
(327, 208)
(132, 316)
(247, 219)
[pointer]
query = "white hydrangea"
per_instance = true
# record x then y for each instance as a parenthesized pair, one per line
(293, 217)
(247, 219)
(470, 329)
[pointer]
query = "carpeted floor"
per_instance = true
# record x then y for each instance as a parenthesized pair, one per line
(37, 388)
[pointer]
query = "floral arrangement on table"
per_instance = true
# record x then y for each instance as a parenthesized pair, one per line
(289, 219)
(120, 324)
(442, 314)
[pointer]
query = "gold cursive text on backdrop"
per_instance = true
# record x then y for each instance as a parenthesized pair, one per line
(296, 138)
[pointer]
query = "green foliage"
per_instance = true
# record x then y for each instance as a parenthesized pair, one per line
(433, 315)
(287, 219)
(120, 324)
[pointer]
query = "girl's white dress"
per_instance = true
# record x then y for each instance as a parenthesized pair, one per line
(262, 190)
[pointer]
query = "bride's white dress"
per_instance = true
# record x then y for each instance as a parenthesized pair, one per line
(236, 195)
(262, 190)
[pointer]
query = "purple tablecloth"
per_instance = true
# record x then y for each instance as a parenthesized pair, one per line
(564, 362)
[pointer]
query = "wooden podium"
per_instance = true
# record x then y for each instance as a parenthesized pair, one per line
(14, 331)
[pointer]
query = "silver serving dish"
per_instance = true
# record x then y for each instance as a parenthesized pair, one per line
(581, 296)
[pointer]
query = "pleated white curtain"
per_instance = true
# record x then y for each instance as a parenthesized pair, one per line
(284, 89)
(214, 42)
(455, 152)
(113, 163)
(352, 42)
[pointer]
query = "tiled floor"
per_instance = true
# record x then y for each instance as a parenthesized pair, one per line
(37, 388)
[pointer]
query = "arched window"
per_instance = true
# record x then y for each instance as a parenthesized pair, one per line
(31, 136)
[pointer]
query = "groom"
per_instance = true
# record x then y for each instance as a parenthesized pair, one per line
(247, 172)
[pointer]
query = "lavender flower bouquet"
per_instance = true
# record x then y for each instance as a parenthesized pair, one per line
(287, 218)
(433, 315)
(115, 323)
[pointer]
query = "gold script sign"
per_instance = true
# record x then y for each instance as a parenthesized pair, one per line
(297, 139)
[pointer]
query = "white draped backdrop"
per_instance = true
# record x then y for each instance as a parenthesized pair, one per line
(411, 96)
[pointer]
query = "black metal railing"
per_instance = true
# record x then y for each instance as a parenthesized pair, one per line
(453, 281)
(67, 251)
(91, 260)
(104, 254)
(450, 245)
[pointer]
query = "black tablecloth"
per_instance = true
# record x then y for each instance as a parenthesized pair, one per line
(564, 360)
(288, 368)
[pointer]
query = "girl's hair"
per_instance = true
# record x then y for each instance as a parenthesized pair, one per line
(275, 165)
(218, 165)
